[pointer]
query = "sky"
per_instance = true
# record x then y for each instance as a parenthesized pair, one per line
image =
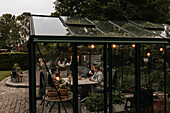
(17, 7)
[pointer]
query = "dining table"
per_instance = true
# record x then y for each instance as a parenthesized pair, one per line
(84, 82)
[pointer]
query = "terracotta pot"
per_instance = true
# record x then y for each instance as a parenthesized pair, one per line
(52, 94)
(64, 92)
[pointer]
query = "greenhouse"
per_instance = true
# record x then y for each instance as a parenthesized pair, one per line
(126, 38)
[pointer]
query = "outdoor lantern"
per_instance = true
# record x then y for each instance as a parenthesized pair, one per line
(133, 45)
(114, 45)
(148, 54)
(145, 59)
(161, 49)
(92, 46)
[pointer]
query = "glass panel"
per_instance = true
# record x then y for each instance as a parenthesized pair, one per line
(90, 78)
(75, 20)
(164, 33)
(86, 31)
(123, 80)
(111, 30)
(137, 31)
(152, 79)
(49, 26)
(161, 29)
(148, 24)
(58, 60)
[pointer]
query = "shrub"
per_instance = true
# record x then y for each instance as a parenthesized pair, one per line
(95, 103)
(8, 59)
(118, 97)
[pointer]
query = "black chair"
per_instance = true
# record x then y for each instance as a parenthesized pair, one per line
(131, 106)
(146, 100)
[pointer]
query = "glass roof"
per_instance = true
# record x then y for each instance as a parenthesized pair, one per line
(86, 31)
(149, 25)
(164, 33)
(111, 30)
(75, 20)
(157, 28)
(49, 26)
(141, 33)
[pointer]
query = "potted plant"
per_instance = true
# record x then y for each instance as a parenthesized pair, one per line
(14, 73)
(118, 101)
(64, 90)
(95, 103)
(52, 93)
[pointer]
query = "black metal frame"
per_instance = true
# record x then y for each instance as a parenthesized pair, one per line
(107, 41)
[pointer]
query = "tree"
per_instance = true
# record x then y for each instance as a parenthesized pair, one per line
(23, 21)
(9, 30)
(149, 10)
(13, 30)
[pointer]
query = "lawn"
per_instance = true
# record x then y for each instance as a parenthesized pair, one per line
(4, 74)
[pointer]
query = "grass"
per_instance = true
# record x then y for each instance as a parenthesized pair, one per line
(4, 74)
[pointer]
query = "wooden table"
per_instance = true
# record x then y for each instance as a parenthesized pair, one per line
(58, 101)
(84, 81)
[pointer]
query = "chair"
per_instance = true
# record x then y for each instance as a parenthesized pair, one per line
(146, 100)
(132, 103)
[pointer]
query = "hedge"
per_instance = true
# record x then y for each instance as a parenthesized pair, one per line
(7, 60)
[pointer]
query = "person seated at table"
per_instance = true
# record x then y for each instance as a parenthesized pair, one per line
(54, 71)
(61, 63)
(98, 77)
(89, 73)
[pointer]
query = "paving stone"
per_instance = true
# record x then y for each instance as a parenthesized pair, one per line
(13, 100)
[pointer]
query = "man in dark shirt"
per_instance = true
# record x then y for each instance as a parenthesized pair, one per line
(89, 73)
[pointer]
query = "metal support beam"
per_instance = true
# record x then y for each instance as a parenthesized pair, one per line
(137, 77)
(90, 58)
(110, 77)
(105, 76)
(32, 77)
(75, 79)
(164, 54)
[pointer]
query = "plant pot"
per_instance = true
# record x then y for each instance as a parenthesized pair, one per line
(15, 79)
(87, 111)
(13, 74)
(52, 94)
(63, 92)
(118, 107)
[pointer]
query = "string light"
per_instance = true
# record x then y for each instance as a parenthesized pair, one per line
(133, 45)
(114, 45)
(161, 49)
(148, 54)
(92, 46)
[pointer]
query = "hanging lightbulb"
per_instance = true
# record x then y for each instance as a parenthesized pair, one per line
(92, 46)
(148, 54)
(114, 45)
(133, 45)
(161, 49)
